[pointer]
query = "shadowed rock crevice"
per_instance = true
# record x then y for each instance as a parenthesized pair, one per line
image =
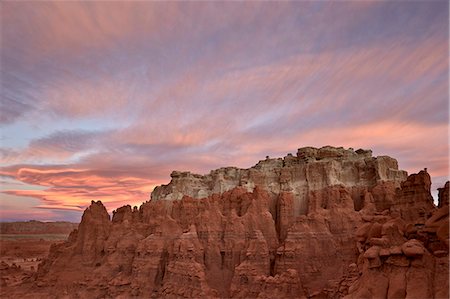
(161, 271)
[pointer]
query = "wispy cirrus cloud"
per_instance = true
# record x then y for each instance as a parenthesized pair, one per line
(73, 189)
(118, 181)
(121, 94)
(58, 146)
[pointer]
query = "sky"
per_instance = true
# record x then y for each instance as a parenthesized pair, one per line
(102, 100)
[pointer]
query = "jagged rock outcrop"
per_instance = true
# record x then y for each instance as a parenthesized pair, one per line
(443, 195)
(400, 255)
(414, 200)
(326, 223)
(312, 169)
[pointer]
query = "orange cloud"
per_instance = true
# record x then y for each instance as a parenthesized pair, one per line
(73, 189)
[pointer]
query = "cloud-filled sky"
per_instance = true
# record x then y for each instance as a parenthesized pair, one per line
(102, 100)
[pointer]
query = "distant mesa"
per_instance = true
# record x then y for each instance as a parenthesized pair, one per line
(34, 227)
(326, 223)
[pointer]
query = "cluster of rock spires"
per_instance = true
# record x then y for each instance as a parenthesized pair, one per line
(326, 223)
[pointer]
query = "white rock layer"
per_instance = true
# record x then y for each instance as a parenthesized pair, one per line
(311, 169)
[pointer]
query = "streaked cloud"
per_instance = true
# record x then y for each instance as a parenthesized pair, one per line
(120, 94)
(73, 189)
(58, 146)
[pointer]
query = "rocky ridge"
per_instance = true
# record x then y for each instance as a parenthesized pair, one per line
(311, 169)
(327, 223)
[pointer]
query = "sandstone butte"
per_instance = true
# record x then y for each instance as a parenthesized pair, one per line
(326, 223)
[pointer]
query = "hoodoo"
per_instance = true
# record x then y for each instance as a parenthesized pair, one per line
(326, 223)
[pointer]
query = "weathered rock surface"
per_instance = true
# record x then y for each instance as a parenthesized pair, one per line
(312, 169)
(327, 223)
(407, 258)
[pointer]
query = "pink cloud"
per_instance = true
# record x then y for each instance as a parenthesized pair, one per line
(93, 25)
(73, 189)
(190, 86)
(410, 143)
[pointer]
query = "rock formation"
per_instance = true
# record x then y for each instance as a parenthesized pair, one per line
(401, 256)
(327, 223)
(312, 169)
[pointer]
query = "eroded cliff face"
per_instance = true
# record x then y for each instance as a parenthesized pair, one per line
(310, 170)
(328, 223)
(404, 250)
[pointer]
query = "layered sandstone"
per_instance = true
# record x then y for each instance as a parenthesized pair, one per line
(400, 257)
(310, 170)
(327, 223)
